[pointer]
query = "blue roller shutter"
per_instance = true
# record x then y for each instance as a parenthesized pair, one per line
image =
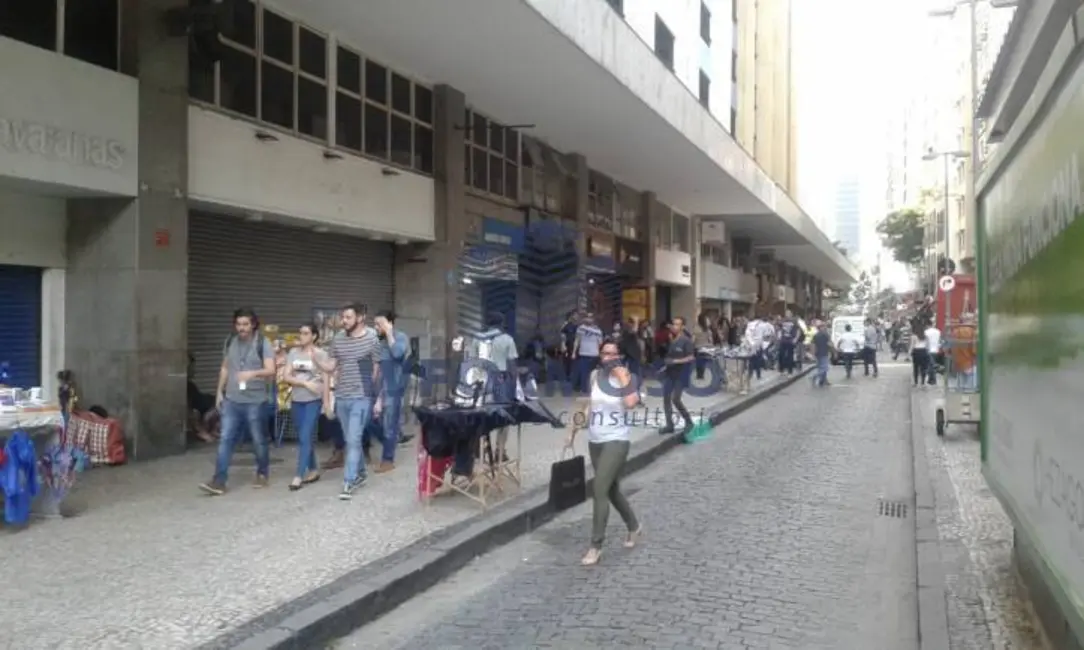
(20, 323)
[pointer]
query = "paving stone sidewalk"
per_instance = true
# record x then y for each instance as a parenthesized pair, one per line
(987, 605)
(767, 535)
(152, 563)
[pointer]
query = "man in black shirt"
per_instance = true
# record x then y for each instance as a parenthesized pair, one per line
(680, 355)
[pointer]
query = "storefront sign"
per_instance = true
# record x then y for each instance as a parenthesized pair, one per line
(502, 234)
(32, 138)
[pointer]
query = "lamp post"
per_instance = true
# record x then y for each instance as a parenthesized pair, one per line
(973, 47)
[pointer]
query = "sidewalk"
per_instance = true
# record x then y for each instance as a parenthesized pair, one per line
(152, 563)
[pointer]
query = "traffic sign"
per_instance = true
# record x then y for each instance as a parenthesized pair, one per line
(947, 283)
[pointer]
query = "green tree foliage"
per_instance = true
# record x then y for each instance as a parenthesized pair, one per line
(901, 233)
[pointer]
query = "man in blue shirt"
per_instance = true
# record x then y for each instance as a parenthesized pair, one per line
(394, 375)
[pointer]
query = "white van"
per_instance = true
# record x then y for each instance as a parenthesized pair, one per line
(839, 325)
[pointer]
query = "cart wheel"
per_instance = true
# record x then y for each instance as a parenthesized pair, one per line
(940, 422)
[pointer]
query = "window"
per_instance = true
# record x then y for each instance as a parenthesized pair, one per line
(705, 23)
(618, 6)
(664, 44)
(91, 28)
(628, 213)
(601, 202)
(680, 239)
(734, 65)
(733, 120)
(705, 90)
(276, 71)
(544, 177)
(493, 154)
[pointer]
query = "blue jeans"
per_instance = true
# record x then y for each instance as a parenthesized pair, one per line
(820, 377)
(353, 414)
(786, 357)
(581, 373)
(391, 426)
(756, 363)
(305, 415)
(237, 419)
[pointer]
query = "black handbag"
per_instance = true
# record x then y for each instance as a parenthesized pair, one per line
(568, 482)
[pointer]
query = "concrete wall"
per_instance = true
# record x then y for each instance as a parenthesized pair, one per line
(44, 141)
(34, 229)
(229, 166)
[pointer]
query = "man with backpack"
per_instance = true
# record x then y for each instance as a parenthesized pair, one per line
(244, 390)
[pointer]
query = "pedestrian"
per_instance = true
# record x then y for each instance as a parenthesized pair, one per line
(703, 342)
(872, 336)
(631, 348)
(353, 366)
(822, 352)
(789, 334)
(933, 346)
(585, 352)
(568, 343)
(394, 376)
(920, 355)
(849, 345)
(306, 382)
(680, 354)
(242, 398)
(604, 415)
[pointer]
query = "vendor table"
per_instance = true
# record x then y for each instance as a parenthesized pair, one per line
(449, 432)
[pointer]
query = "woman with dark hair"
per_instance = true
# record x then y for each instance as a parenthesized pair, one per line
(306, 399)
(920, 353)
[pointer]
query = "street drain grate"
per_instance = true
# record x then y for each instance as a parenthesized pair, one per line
(894, 509)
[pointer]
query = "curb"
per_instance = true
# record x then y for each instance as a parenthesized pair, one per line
(415, 571)
(933, 631)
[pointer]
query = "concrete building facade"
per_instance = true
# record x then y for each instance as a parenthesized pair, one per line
(170, 161)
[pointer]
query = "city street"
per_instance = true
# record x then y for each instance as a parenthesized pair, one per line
(769, 535)
(792, 527)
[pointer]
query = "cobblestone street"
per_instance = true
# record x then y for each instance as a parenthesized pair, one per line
(772, 534)
(987, 606)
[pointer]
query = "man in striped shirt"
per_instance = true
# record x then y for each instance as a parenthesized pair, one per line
(353, 362)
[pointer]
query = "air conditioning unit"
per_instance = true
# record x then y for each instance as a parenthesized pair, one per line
(713, 232)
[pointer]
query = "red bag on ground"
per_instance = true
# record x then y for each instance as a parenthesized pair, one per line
(431, 471)
(101, 438)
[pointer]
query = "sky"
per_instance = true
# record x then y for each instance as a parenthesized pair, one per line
(854, 59)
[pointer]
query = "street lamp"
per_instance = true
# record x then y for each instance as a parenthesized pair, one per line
(947, 156)
(976, 153)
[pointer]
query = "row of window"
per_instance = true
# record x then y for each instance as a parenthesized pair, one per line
(279, 72)
(88, 30)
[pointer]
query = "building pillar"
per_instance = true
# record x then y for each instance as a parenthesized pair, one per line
(579, 184)
(427, 280)
(818, 298)
(125, 303)
(684, 301)
(651, 242)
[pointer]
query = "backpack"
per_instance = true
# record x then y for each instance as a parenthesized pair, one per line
(233, 337)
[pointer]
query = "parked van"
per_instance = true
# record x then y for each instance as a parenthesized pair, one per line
(839, 325)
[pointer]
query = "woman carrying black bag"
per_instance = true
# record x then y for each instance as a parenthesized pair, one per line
(603, 414)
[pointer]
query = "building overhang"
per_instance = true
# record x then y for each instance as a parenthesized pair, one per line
(589, 83)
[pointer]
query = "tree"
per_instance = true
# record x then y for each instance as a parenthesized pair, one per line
(902, 233)
(861, 293)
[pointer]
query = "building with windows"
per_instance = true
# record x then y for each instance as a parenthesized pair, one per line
(165, 163)
(848, 216)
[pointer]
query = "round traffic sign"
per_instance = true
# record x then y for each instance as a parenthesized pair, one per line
(947, 283)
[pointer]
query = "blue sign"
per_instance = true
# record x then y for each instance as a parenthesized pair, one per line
(501, 234)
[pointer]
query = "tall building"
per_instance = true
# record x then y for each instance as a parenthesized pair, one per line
(293, 156)
(848, 216)
(765, 120)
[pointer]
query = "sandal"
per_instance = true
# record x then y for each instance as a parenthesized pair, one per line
(633, 537)
(311, 477)
(592, 557)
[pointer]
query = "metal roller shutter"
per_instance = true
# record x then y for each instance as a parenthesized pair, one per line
(282, 273)
(20, 324)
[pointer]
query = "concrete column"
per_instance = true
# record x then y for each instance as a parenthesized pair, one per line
(651, 241)
(426, 277)
(126, 312)
(684, 301)
(818, 297)
(579, 184)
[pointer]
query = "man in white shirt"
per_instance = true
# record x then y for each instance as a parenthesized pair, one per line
(758, 336)
(849, 345)
(933, 344)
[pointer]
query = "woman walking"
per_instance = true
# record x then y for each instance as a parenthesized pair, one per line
(603, 414)
(306, 399)
(920, 354)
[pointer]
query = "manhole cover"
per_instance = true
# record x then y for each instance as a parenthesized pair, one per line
(894, 509)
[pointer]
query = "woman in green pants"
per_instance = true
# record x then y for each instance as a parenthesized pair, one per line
(603, 415)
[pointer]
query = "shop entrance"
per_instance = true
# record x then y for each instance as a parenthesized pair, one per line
(604, 299)
(20, 325)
